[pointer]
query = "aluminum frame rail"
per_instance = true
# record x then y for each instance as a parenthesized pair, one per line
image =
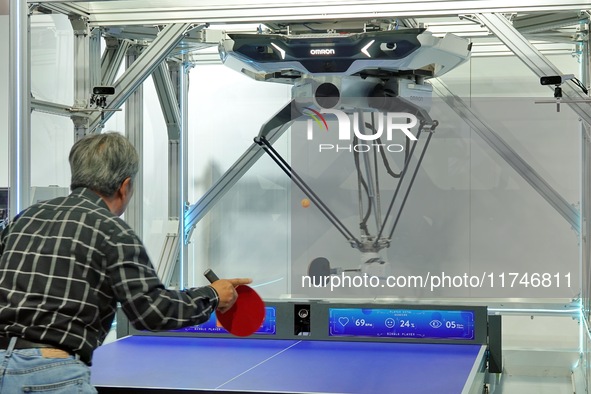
(143, 67)
(53, 108)
(20, 110)
(168, 259)
(546, 21)
(134, 129)
(86, 60)
(167, 97)
(183, 170)
(113, 58)
(175, 107)
(114, 13)
(271, 130)
(585, 67)
(86, 70)
(532, 58)
(70, 8)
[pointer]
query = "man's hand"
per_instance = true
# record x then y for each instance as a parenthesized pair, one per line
(226, 289)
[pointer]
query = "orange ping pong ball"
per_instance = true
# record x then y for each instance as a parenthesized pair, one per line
(305, 203)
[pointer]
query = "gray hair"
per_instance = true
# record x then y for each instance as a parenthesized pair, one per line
(101, 162)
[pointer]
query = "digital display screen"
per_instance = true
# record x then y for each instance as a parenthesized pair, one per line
(401, 323)
(212, 326)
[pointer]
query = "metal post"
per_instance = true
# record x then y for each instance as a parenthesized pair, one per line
(81, 73)
(134, 129)
(167, 95)
(94, 55)
(585, 253)
(141, 69)
(167, 80)
(86, 71)
(175, 71)
(20, 108)
(183, 168)
(112, 59)
(583, 47)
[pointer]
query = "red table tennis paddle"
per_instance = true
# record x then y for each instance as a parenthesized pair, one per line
(246, 315)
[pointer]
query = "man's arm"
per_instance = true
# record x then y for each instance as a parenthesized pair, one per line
(146, 301)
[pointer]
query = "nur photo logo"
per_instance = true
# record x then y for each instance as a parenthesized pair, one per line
(386, 124)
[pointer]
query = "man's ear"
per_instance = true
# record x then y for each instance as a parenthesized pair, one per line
(126, 188)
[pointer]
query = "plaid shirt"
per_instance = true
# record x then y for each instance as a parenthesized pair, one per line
(64, 265)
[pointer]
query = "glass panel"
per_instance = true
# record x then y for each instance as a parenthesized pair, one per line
(52, 54)
(226, 111)
(52, 138)
(246, 233)
(470, 214)
(473, 225)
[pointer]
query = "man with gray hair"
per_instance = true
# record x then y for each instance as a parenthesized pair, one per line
(67, 262)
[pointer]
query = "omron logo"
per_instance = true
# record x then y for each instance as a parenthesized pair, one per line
(327, 51)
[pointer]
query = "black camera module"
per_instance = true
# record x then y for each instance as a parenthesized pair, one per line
(103, 90)
(556, 79)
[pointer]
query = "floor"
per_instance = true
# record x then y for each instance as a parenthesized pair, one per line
(539, 371)
(535, 385)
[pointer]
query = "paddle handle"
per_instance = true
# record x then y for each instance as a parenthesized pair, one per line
(210, 275)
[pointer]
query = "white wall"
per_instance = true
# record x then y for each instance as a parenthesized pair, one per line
(247, 232)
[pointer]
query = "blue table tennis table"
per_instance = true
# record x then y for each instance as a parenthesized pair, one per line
(165, 364)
